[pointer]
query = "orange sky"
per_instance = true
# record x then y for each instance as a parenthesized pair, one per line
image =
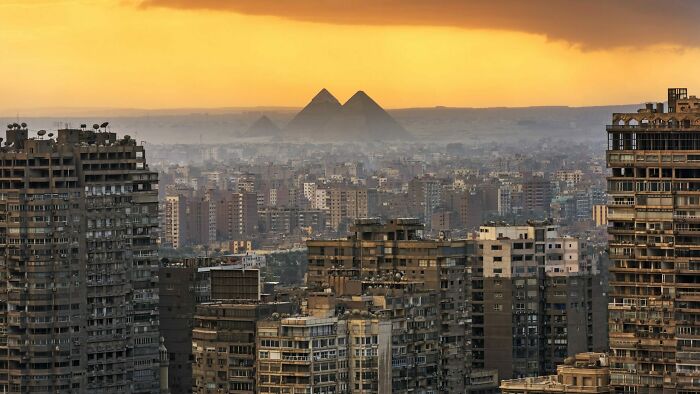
(115, 53)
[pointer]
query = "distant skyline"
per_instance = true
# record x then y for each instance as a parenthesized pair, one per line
(157, 54)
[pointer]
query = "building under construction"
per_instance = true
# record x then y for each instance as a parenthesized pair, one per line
(654, 216)
(396, 252)
(79, 263)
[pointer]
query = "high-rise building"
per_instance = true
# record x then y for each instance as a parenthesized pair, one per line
(536, 194)
(177, 306)
(224, 345)
(79, 264)
(321, 199)
(397, 250)
(199, 219)
(175, 226)
(467, 205)
(653, 216)
(424, 196)
(216, 289)
(302, 354)
(600, 215)
(348, 203)
(536, 299)
(410, 312)
(505, 200)
(236, 215)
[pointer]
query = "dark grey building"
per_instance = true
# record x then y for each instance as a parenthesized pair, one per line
(79, 264)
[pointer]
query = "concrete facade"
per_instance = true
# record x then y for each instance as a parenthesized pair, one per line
(653, 214)
(79, 264)
(534, 298)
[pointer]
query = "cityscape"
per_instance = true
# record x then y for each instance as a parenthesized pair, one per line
(250, 223)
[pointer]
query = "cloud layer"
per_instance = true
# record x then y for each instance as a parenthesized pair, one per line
(593, 24)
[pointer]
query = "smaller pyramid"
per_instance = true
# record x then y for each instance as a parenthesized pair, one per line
(311, 120)
(263, 127)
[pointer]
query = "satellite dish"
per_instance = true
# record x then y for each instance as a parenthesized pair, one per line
(105, 124)
(24, 125)
(82, 126)
(95, 126)
(127, 137)
(41, 133)
(9, 125)
(50, 135)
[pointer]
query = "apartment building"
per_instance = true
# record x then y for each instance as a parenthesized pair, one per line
(174, 227)
(411, 314)
(536, 299)
(79, 264)
(584, 373)
(653, 213)
(236, 215)
(396, 250)
(302, 354)
(224, 345)
(600, 215)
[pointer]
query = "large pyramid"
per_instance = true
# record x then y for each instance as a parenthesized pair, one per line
(359, 119)
(311, 120)
(263, 127)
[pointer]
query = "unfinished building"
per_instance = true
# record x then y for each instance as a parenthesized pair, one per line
(654, 224)
(79, 263)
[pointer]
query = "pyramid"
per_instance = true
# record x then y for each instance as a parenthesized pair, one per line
(311, 120)
(362, 119)
(359, 119)
(263, 127)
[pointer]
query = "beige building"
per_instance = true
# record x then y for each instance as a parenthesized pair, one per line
(369, 354)
(585, 373)
(571, 177)
(600, 215)
(174, 230)
(346, 204)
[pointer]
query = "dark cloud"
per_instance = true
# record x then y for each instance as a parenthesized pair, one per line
(592, 24)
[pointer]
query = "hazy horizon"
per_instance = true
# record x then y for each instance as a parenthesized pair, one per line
(77, 111)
